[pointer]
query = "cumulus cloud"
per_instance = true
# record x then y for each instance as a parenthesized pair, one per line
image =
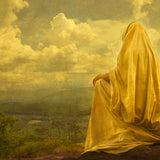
(137, 6)
(69, 54)
(61, 23)
(12, 52)
(53, 59)
(65, 31)
(74, 48)
(8, 9)
(93, 44)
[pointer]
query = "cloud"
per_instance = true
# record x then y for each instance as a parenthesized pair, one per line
(34, 20)
(65, 31)
(155, 39)
(92, 46)
(137, 8)
(61, 23)
(8, 9)
(53, 59)
(68, 54)
(73, 48)
(103, 9)
(12, 52)
(33, 80)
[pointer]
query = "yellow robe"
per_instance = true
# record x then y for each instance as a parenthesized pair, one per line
(126, 112)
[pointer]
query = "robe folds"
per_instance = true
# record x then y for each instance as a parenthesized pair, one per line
(125, 112)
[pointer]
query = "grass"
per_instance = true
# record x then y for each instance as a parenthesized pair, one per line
(42, 136)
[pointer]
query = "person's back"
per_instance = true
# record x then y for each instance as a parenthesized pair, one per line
(138, 77)
(126, 106)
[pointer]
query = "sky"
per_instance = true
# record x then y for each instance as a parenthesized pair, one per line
(64, 44)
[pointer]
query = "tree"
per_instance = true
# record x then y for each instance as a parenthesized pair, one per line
(9, 140)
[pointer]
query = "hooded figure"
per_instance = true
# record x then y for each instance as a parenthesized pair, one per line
(126, 110)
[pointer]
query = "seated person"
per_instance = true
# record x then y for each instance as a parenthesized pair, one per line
(126, 107)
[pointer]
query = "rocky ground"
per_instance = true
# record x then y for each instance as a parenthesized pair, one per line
(148, 152)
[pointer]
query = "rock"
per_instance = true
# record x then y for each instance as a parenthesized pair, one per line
(144, 152)
(68, 158)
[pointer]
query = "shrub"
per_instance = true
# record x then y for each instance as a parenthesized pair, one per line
(9, 140)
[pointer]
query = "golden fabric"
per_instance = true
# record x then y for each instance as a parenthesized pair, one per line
(126, 112)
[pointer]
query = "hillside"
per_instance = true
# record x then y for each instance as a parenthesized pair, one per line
(47, 102)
